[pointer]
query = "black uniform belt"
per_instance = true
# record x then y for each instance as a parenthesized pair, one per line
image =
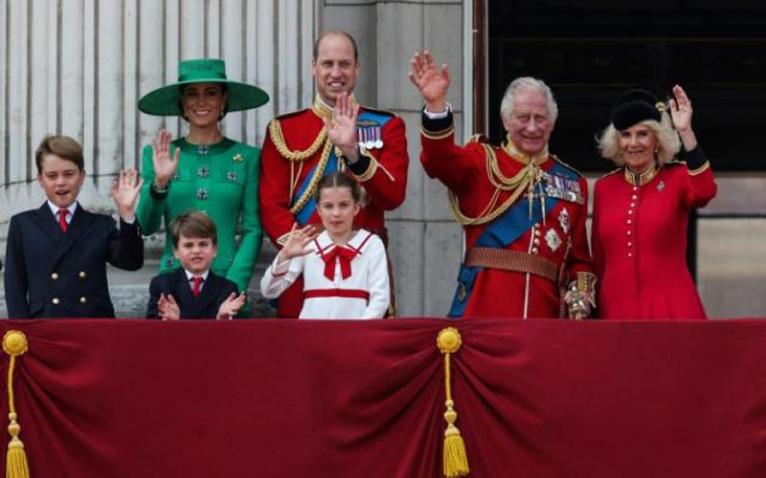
(514, 261)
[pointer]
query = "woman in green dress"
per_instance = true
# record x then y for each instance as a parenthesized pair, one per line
(204, 171)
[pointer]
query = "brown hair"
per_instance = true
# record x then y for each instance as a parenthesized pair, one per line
(337, 33)
(62, 146)
(193, 224)
(339, 179)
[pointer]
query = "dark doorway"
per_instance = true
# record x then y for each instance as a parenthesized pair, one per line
(590, 51)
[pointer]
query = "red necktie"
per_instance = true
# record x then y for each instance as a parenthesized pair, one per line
(196, 285)
(344, 256)
(62, 219)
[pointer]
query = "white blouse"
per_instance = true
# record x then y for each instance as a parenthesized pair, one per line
(358, 287)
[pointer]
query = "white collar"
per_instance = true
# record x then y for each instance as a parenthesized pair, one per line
(356, 241)
(55, 209)
(204, 275)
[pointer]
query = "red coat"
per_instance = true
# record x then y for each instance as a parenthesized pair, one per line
(639, 243)
(561, 238)
(382, 174)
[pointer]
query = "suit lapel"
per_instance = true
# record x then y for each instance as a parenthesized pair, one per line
(81, 221)
(209, 292)
(183, 290)
(47, 223)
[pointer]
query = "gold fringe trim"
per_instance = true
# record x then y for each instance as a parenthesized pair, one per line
(318, 173)
(16, 465)
(275, 131)
(517, 184)
(454, 454)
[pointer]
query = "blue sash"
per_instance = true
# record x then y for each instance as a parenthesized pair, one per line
(368, 120)
(502, 232)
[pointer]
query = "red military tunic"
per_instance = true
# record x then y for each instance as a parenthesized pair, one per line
(639, 240)
(295, 152)
(560, 238)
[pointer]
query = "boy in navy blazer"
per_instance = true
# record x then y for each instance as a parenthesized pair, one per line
(55, 261)
(193, 291)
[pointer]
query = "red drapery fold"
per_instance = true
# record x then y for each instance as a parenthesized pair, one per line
(270, 398)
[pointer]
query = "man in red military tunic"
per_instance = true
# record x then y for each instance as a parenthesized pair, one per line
(334, 133)
(522, 209)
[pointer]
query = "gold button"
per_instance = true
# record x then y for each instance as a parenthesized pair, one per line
(55, 276)
(630, 254)
(629, 232)
(55, 301)
(83, 275)
(83, 300)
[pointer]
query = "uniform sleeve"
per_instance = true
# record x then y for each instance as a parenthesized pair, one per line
(457, 167)
(383, 172)
(243, 265)
(16, 284)
(151, 205)
(700, 187)
(274, 192)
(579, 256)
(280, 276)
(379, 285)
(126, 246)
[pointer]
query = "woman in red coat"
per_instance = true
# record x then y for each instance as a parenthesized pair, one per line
(641, 211)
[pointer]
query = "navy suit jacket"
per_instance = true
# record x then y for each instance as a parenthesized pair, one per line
(51, 273)
(215, 290)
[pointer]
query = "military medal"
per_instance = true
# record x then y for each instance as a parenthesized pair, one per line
(378, 137)
(369, 135)
(552, 239)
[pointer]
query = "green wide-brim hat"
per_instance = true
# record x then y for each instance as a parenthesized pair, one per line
(165, 101)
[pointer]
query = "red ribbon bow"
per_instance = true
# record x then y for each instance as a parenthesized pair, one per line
(342, 254)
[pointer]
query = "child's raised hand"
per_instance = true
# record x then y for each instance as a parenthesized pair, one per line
(125, 190)
(230, 307)
(168, 308)
(298, 241)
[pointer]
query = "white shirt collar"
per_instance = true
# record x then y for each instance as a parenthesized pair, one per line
(204, 275)
(55, 210)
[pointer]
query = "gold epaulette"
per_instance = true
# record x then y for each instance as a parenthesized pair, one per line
(275, 132)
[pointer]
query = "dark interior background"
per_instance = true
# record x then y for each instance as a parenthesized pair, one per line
(590, 51)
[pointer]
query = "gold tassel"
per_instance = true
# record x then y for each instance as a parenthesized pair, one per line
(16, 466)
(454, 454)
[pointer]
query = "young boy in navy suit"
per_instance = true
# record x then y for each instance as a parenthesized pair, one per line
(194, 291)
(55, 261)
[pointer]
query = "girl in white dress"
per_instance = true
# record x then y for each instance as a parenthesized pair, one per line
(345, 271)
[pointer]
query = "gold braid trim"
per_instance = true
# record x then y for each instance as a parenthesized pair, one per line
(518, 184)
(437, 135)
(318, 173)
(371, 168)
(275, 131)
(700, 170)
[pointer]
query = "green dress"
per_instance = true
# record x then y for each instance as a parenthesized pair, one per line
(220, 180)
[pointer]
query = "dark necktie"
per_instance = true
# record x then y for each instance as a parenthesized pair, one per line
(62, 219)
(196, 285)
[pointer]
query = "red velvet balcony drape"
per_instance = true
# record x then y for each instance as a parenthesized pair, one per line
(269, 398)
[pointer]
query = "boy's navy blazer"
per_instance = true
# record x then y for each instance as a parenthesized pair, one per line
(52, 273)
(215, 290)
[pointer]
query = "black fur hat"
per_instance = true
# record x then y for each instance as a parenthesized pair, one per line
(635, 106)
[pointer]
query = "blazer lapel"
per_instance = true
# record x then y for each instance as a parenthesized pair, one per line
(47, 223)
(185, 298)
(209, 292)
(81, 221)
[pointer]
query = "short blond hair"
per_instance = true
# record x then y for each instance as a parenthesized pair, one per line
(668, 141)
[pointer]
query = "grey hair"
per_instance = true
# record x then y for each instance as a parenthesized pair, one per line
(527, 83)
(667, 139)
